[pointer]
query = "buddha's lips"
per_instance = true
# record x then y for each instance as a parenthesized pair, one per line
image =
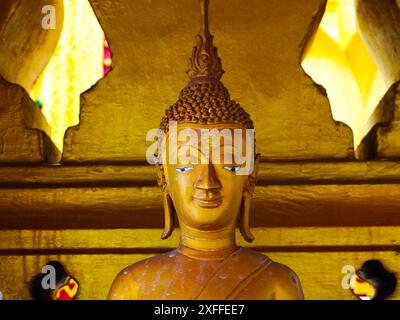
(209, 202)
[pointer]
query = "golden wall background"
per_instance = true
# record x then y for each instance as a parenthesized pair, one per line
(316, 209)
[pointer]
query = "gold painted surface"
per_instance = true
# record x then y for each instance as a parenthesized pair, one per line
(25, 50)
(55, 66)
(17, 143)
(313, 238)
(380, 28)
(378, 22)
(388, 137)
(339, 60)
(26, 47)
(115, 196)
(269, 173)
(320, 272)
(291, 115)
(136, 207)
(208, 199)
(75, 66)
(104, 204)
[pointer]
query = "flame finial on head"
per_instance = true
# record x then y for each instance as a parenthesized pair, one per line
(205, 100)
(205, 61)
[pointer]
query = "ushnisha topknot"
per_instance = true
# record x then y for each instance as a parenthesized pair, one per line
(205, 100)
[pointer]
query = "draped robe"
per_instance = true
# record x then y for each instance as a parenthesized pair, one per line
(241, 274)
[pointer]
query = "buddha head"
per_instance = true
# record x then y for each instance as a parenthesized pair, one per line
(208, 166)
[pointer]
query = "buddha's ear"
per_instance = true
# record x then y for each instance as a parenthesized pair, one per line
(169, 210)
(244, 216)
(160, 176)
(169, 215)
(253, 176)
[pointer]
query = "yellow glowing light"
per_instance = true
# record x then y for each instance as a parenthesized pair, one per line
(339, 60)
(339, 21)
(77, 64)
(107, 62)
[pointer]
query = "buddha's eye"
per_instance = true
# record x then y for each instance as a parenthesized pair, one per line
(232, 168)
(184, 169)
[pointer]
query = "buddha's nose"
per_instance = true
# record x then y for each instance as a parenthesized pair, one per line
(207, 179)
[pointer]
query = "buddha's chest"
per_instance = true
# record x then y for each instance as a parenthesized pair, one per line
(191, 279)
(177, 280)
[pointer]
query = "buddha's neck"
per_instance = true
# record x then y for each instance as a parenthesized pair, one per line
(209, 241)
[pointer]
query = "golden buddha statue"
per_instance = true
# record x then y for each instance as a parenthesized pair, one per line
(209, 198)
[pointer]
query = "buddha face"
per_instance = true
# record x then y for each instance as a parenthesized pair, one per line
(204, 181)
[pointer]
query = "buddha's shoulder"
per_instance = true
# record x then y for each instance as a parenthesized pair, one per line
(286, 283)
(276, 276)
(126, 284)
(150, 263)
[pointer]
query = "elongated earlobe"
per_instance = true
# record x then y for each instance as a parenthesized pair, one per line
(169, 210)
(169, 216)
(244, 218)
